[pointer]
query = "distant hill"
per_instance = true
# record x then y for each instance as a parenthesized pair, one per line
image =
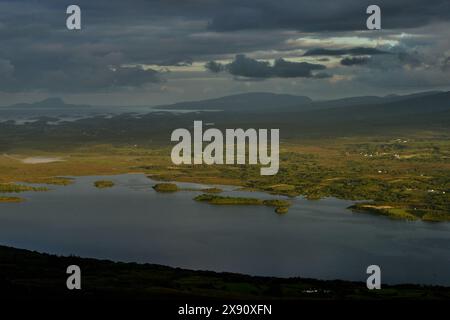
(49, 103)
(369, 100)
(416, 112)
(150, 282)
(261, 102)
(255, 101)
(265, 102)
(402, 107)
(399, 115)
(374, 115)
(295, 116)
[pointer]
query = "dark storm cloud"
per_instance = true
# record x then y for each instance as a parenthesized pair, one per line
(252, 68)
(88, 78)
(339, 52)
(398, 58)
(288, 69)
(324, 15)
(211, 66)
(179, 62)
(351, 61)
(412, 59)
(38, 53)
(232, 15)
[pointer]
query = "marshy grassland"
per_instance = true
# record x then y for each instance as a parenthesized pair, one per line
(11, 199)
(16, 188)
(407, 176)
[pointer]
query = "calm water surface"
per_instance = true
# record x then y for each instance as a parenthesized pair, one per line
(132, 222)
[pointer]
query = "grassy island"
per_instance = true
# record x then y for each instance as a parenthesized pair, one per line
(220, 200)
(10, 199)
(101, 184)
(166, 187)
(16, 188)
(57, 181)
(172, 187)
(281, 210)
(280, 205)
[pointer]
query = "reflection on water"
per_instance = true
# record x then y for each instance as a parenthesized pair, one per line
(317, 239)
(55, 116)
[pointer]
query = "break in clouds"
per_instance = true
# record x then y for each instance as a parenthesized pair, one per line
(167, 51)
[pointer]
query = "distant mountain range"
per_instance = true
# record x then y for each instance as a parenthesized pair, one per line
(295, 116)
(261, 102)
(254, 101)
(50, 103)
(425, 110)
(372, 100)
(369, 114)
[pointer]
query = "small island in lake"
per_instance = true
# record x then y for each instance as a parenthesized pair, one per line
(172, 187)
(16, 188)
(166, 187)
(281, 206)
(281, 210)
(10, 199)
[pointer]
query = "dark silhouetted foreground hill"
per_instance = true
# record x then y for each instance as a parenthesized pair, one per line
(26, 274)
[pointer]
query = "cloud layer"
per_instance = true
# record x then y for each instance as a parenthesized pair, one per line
(252, 68)
(159, 49)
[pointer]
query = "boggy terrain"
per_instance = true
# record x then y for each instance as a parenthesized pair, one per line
(406, 177)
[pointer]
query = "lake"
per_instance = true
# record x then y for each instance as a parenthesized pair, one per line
(315, 239)
(55, 116)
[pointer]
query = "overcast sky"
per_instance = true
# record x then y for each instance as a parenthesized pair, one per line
(147, 52)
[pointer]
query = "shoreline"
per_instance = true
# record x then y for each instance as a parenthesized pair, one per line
(358, 206)
(413, 188)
